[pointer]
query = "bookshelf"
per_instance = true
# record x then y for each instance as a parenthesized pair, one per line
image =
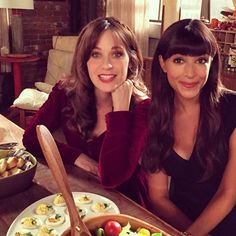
(225, 38)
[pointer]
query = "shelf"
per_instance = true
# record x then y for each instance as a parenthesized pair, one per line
(223, 31)
(225, 38)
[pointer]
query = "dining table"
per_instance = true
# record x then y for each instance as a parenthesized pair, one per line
(80, 180)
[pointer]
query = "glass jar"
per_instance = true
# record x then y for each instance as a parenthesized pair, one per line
(232, 57)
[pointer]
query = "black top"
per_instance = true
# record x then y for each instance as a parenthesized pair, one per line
(186, 190)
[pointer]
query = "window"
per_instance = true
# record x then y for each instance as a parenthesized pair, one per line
(155, 10)
(155, 20)
(190, 9)
(216, 6)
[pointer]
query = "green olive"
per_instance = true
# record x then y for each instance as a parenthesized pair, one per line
(100, 232)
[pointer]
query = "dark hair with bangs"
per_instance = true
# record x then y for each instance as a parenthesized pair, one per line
(188, 38)
(192, 38)
(80, 89)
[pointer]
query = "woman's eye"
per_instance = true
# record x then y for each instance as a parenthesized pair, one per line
(117, 54)
(202, 60)
(95, 54)
(178, 60)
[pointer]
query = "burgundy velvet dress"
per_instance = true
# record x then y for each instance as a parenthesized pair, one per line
(55, 113)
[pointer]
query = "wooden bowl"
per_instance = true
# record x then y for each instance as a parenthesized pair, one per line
(93, 223)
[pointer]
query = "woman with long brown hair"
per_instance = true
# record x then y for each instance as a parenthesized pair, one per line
(105, 80)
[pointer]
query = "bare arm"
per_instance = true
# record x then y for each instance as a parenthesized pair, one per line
(224, 199)
(87, 163)
(121, 97)
(159, 196)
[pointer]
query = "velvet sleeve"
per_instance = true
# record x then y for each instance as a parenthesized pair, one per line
(50, 116)
(123, 144)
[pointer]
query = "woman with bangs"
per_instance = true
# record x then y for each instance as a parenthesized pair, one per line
(105, 81)
(190, 154)
(182, 146)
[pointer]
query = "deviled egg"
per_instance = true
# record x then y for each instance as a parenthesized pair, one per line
(46, 231)
(100, 207)
(81, 211)
(44, 209)
(59, 200)
(30, 223)
(25, 233)
(84, 199)
(55, 220)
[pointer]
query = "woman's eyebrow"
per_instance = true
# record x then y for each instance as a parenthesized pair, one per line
(118, 47)
(97, 48)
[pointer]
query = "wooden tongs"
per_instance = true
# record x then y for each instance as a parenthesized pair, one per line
(55, 163)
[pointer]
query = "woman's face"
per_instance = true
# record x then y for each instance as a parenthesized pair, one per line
(108, 63)
(186, 74)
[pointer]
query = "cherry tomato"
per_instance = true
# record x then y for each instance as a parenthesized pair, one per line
(112, 228)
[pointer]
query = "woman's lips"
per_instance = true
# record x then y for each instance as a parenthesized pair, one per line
(107, 78)
(189, 85)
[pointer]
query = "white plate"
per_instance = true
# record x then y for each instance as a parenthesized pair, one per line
(30, 211)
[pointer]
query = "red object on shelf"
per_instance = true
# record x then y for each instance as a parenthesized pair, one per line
(214, 23)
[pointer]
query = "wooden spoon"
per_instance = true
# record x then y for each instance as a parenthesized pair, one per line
(55, 163)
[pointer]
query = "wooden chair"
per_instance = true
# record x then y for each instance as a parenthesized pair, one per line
(59, 63)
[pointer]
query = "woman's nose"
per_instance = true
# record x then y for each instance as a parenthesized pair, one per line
(107, 63)
(189, 70)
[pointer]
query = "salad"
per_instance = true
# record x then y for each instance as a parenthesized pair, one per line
(114, 228)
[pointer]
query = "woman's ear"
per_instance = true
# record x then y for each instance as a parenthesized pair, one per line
(162, 63)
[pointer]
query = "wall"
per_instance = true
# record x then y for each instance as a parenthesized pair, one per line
(171, 12)
(52, 18)
(48, 18)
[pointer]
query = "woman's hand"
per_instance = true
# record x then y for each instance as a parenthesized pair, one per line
(121, 96)
(86, 163)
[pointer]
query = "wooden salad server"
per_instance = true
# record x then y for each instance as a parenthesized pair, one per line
(56, 165)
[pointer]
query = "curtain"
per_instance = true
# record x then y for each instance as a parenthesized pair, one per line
(134, 13)
(83, 11)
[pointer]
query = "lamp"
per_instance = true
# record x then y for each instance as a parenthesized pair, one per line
(16, 4)
(15, 22)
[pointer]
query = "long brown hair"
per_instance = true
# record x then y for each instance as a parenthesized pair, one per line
(187, 37)
(80, 89)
